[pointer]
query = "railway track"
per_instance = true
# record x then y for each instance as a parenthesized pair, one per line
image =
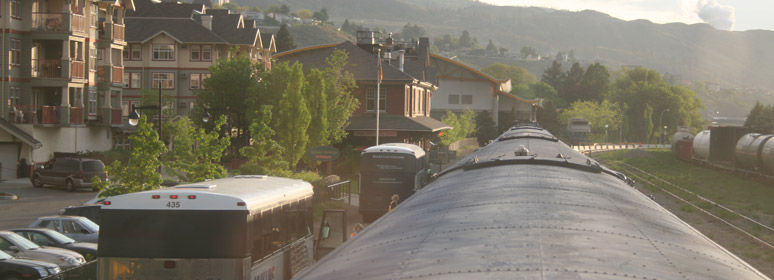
(671, 189)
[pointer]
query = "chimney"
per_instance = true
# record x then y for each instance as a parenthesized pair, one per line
(423, 51)
(400, 59)
(207, 21)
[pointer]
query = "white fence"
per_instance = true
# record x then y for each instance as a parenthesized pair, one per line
(613, 147)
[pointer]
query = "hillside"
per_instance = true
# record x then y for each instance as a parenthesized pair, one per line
(695, 53)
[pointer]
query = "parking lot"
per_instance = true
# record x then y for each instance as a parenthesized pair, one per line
(35, 202)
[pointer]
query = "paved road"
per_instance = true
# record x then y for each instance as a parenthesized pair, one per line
(35, 202)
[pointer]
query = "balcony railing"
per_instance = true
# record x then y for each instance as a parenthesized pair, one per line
(118, 74)
(77, 69)
(76, 115)
(47, 68)
(118, 32)
(47, 22)
(78, 23)
(116, 116)
(49, 114)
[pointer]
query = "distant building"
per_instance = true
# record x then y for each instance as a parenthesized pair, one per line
(407, 85)
(462, 86)
(174, 44)
(61, 85)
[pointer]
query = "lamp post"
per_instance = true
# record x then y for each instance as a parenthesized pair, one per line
(134, 116)
(659, 120)
(606, 133)
(663, 134)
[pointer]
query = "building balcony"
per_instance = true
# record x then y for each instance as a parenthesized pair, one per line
(51, 115)
(118, 74)
(47, 68)
(59, 22)
(118, 32)
(76, 115)
(116, 117)
(77, 69)
(111, 74)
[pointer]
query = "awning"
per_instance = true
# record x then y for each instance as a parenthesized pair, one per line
(18, 133)
(396, 123)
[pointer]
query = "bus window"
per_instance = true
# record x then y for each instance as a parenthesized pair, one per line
(258, 251)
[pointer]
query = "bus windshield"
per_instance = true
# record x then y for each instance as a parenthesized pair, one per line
(388, 162)
(173, 234)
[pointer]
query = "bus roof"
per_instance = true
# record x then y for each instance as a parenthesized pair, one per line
(401, 148)
(253, 193)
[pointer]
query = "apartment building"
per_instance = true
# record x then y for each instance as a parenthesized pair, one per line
(61, 78)
(172, 45)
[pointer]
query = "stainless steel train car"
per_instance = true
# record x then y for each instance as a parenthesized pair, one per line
(529, 207)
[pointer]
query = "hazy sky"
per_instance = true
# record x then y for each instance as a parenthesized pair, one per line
(735, 15)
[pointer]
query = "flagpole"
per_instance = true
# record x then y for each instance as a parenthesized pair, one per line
(378, 84)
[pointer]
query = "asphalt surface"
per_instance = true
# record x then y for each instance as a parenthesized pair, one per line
(35, 202)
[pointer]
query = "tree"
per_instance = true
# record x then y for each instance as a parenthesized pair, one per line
(465, 40)
(304, 13)
(232, 81)
(141, 171)
(285, 41)
(264, 155)
(571, 88)
(346, 26)
(462, 126)
(195, 154)
(548, 118)
(294, 118)
(150, 97)
(316, 94)
(491, 48)
(527, 52)
(284, 9)
(597, 113)
(409, 32)
(340, 100)
(486, 128)
(595, 83)
(554, 76)
(760, 119)
(322, 15)
(545, 91)
(518, 75)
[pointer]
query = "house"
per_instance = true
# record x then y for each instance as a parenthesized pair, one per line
(61, 78)
(462, 86)
(173, 45)
(407, 84)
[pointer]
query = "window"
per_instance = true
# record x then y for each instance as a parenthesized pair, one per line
(133, 52)
(371, 100)
(15, 52)
(93, 59)
(121, 142)
(167, 80)
(467, 99)
(163, 52)
(454, 99)
(197, 80)
(16, 9)
(14, 96)
(133, 80)
(201, 53)
(93, 12)
(92, 102)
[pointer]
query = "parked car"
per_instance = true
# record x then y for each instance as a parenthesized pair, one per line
(51, 238)
(78, 228)
(20, 247)
(14, 268)
(72, 173)
(90, 211)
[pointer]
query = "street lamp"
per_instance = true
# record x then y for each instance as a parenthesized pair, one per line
(659, 120)
(134, 116)
(605, 133)
(663, 134)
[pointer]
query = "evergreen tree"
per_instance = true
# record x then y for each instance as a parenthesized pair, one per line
(284, 9)
(554, 76)
(264, 155)
(595, 83)
(285, 41)
(571, 88)
(755, 117)
(548, 118)
(465, 40)
(491, 48)
(345, 26)
(486, 128)
(294, 118)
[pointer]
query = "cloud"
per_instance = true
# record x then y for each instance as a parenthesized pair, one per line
(719, 16)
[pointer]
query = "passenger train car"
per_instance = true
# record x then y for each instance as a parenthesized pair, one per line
(527, 206)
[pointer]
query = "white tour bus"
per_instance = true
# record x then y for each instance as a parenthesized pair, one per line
(244, 227)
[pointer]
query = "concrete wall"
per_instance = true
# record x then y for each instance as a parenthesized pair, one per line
(68, 139)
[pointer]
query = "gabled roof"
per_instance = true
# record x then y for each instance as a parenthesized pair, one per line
(397, 123)
(231, 28)
(18, 133)
(267, 42)
(182, 30)
(362, 64)
(147, 8)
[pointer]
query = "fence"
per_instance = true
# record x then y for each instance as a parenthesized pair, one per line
(613, 147)
(87, 271)
(337, 191)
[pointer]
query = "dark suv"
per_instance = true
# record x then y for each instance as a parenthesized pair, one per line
(72, 173)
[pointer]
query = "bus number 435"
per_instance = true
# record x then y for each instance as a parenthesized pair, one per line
(173, 204)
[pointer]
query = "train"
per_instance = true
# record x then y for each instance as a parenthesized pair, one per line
(527, 206)
(730, 148)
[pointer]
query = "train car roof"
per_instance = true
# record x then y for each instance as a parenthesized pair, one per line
(503, 216)
(402, 148)
(252, 192)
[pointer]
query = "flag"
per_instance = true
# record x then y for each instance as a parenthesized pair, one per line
(379, 65)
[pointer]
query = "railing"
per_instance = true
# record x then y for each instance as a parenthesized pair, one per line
(47, 21)
(340, 191)
(22, 114)
(118, 32)
(118, 74)
(116, 116)
(77, 69)
(47, 68)
(78, 23)
(49, 114)
(76, 115)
